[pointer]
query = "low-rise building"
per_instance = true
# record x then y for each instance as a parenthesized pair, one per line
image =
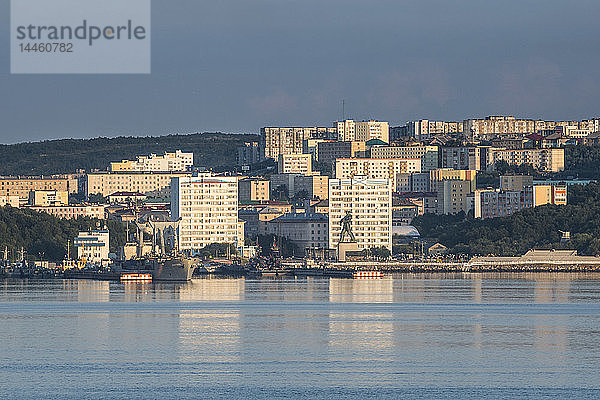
(305, 230)
(12, 201)
(47, 198)
(152, 184)
(74, 211)
(93, 246)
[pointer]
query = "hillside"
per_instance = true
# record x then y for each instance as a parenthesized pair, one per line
(41, 233)
(215, 150)
(529, 228)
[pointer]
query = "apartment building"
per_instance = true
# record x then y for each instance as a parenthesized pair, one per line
(315, 186)
(424, 129)
(208, 208)
(294, 164)
(454, 196)
(515, 183)
(427, 154)
(369, 202)
(170, 161)
(383, 168)
(152, 184)
(276, 140)
(73, 211)
(546, 160)
(46, 198)
(93, 246)
(477, 158)
(413, 182)
(444, 174)
(328, 152)
(350, 130)
(21, 186)
(253, 189)
(248, 154)
(491, 203)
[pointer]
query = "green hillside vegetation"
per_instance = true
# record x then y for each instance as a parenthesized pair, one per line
(214, 150)
(43, 234)
(581, 162)
(531, 228)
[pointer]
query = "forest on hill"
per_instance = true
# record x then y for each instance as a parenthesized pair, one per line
(530, 228)
(214, 150)
(44, 236)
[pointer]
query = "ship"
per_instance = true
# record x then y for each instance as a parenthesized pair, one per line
(165, 264)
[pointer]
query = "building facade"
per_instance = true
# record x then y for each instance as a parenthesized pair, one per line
(427, 154)
(276, 140)
(46, 198)
(294, 164)
(369, 202)
(372, 168)
(93, 246)
(208, 208)
(350, 130)
(305, 230)
(74, 211)
(546, 160)
(253, 189)
(152, 184)
(170, 161)
(21, 186)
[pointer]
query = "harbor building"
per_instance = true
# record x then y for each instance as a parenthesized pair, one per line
(253, 189)
(369, 204)
(277, 140)
(294, 164)
(350, 130)
(208, 208)
(93, 246)
(170, 161)
(384, 168)
(151, 184)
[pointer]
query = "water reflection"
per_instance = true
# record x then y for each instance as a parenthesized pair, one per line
(407, 329)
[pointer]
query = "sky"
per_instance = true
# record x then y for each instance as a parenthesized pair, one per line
(238, 65)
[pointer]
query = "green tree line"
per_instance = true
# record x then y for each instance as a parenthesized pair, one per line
(530, 228)
(44, 236)
(214, 150)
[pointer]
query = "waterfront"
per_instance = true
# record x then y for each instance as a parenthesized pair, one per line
(411, 335)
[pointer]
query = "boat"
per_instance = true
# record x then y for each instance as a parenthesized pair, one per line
(136, 277)
(172, 268)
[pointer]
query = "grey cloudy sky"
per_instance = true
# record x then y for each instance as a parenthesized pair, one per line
(237, 65)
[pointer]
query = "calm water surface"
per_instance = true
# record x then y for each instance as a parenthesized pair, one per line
(410, 336)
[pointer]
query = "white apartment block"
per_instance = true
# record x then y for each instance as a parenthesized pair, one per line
(369, 201)
(208, 208)
(152, 184)
(427, 154)
(350, 130)
(93, 246)
(177, 161)
(276, 140)
(372, 168)
(294, 164)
